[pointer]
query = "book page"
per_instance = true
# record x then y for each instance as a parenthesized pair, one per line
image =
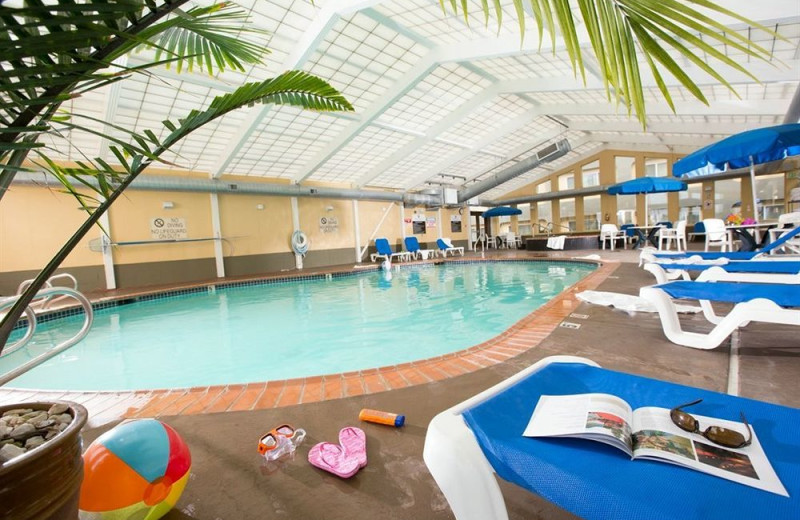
(601, 417)
(655, 436)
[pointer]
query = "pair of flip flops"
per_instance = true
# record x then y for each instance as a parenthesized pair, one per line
(343, 459)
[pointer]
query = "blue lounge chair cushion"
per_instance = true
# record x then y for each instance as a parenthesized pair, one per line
(752, 266)
(412, 244)
(441, 244)
(382, 246)
(785, 295)
(596, 481)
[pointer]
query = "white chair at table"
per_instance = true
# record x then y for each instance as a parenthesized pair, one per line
(786, 222)
(716, 234)
(611, 233)
(678, 234)
(512, 240)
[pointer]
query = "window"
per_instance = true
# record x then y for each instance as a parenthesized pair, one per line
(591, 213)
(524, 220)
(543, 187)
(727, 197)
(566, 208)
(770, 193)
(544, 210)
(691, 203)
(626, 209)
(566, 181)
(657, 208)
(591, 174)
(655, 167)
(624, 168)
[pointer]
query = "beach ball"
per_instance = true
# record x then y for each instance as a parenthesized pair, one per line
(135, 471)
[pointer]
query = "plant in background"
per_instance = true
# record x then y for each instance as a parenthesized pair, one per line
(621, 32)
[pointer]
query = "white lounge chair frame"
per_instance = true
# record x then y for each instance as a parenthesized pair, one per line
(759, 309)
(458, 464)
(451, 248)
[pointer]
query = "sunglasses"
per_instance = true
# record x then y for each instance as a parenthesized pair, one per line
(270, 440)
(716, 434)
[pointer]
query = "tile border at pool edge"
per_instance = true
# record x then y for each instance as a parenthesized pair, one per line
(525, 334)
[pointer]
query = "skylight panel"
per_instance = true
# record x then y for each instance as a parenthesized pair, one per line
(487, 118)
(441, 92)
(364, 152)
(408, 169)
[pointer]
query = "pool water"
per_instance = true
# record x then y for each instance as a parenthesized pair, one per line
(296, 329)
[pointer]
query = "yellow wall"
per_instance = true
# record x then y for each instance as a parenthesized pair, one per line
(131, 216)
(34, 223)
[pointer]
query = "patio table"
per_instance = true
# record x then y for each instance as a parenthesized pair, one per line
(641, 238)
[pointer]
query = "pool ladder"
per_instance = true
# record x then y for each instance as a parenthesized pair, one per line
(44, 296)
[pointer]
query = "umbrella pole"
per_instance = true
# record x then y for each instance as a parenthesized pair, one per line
(646, 212)
(753, 189)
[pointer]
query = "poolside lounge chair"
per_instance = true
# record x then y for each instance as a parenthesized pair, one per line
(467, 444)
(737, 271)
(738, 255)
(766, 302)
(384, 250)
(787, 222)
(412, 247)
(445, 246)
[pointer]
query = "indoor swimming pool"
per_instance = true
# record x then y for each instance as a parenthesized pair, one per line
(267, 331)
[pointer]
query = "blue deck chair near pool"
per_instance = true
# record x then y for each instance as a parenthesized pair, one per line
(412, 247)
(384, 250)
(446, 246)
(769, 271)
(466, 445)
(765, 302)
(738, 255)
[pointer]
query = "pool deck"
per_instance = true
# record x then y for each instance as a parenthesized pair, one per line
(230, 481)
(106, 406)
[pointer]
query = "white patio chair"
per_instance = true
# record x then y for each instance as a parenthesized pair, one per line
(678, 234)
(716, 234)
(786, 222)
(611, 233)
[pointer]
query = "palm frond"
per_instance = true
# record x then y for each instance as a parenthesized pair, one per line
(625, 34)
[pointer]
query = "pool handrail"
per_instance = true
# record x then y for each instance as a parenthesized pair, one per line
(48, 292)
(43, 303)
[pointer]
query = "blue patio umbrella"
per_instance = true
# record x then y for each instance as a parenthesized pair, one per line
(501, 211)
(742, 150)
(645, 185)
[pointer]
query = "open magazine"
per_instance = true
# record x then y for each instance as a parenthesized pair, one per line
(649, 433)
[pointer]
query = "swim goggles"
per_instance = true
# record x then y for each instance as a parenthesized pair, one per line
(284, 436)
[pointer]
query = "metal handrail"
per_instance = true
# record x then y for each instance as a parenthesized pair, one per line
(48, 292)
(45, 302)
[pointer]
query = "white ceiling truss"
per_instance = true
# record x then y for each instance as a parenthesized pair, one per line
(437, 102)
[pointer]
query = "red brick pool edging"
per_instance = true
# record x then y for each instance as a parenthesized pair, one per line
(520, 337)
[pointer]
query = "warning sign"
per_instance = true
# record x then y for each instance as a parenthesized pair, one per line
(328, 225)
(168, 228)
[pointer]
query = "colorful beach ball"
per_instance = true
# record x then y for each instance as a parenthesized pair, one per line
(135, 471)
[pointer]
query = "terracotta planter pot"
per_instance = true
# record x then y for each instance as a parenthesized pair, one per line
(45, 483)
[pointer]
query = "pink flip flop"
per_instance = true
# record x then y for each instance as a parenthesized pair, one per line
(354, 443)
(332, 458)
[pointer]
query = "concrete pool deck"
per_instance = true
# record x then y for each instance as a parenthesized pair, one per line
(231, 481)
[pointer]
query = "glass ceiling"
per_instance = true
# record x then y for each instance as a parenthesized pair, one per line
(437, 101)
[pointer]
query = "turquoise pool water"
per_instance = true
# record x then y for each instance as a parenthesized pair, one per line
(296, 329)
